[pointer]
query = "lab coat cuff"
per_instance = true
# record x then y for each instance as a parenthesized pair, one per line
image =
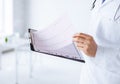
(100, 50)
(99, 55)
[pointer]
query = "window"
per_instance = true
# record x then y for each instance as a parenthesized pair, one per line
(6, 17)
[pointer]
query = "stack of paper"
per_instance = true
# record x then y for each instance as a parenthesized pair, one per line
(56, 40)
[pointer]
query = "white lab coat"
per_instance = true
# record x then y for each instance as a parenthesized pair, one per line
(104, 68)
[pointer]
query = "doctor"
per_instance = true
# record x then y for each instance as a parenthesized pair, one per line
(101, 47)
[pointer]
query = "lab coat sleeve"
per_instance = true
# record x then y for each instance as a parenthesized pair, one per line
(108, 42)
(99, 57)
(99, 53)
(104, 54)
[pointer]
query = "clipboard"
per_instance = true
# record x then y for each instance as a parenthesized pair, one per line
(32, 47)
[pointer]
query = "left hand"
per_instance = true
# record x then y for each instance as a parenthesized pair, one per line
(85, 43)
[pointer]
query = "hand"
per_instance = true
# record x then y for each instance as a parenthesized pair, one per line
(85, 43)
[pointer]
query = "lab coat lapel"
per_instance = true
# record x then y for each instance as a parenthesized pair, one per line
(114, 6)
(105, 3)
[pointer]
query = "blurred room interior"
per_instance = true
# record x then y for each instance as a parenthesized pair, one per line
(18, 64)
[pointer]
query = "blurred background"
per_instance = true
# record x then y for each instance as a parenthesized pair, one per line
(16, 16)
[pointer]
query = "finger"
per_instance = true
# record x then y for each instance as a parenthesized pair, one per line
(78, 39)
(81, 40)
(80, 45)
(81, 35)
(76, 35)
(81, 48)
(85, 36)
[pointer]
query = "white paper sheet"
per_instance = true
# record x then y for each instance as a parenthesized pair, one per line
(57, 39)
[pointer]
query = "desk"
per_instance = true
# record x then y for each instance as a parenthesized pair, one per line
(15, 46)
(22, 43)
(5, 48)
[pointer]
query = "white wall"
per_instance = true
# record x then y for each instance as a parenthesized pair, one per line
(6, 17)
(19, 16)
(41, 13)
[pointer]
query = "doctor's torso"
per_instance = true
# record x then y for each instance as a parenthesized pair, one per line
(105, 28)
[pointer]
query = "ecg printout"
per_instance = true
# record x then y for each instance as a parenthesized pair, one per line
(56, 39)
